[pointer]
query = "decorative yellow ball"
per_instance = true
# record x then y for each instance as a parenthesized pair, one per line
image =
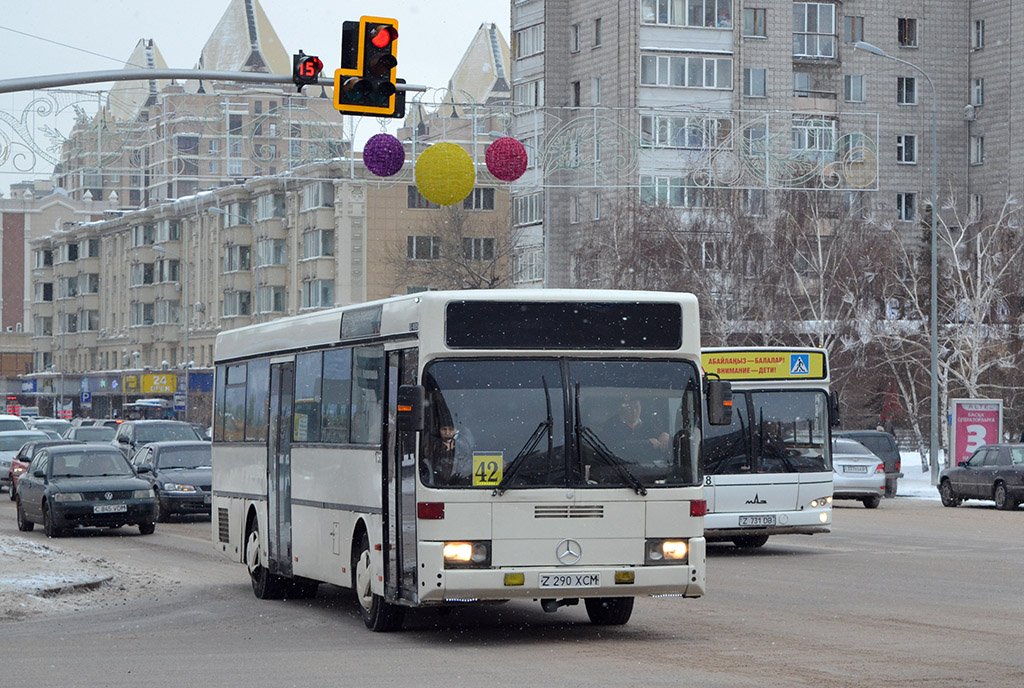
(445, 174)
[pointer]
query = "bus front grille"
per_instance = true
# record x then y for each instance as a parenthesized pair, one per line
(568, 511)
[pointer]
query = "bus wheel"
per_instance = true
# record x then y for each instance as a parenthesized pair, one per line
(265, 585)
(609, 611)
(378, 615)
(746, 541)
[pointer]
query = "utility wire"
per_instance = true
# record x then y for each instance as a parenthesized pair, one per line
(72, 47)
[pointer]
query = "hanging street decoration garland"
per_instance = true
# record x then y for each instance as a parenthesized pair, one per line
(445, 174)
(384, 155)
(506, 159)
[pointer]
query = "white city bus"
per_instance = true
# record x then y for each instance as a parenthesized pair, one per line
(453, 447)
(770, 471)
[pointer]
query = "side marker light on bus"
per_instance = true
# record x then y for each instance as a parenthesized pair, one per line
(625, 577)
(430, 511)
(698, 507)
(512, 579)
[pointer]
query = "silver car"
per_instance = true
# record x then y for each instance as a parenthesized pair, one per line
(857, 473)
(10, 443)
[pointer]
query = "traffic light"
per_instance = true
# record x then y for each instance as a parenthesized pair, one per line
(366, 83)
(305, 69)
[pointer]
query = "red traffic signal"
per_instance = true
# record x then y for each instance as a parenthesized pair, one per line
(305, 69)
(366, 83)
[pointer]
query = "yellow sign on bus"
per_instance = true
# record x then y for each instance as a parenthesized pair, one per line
(765, 364)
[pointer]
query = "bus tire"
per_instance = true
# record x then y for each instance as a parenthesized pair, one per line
(750, 541)
(265, 585)
(378, 614)
(609, 611)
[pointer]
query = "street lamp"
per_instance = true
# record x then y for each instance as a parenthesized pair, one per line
(186, 308)
(933, 448)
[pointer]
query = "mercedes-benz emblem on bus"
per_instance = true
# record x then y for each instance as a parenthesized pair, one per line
(568, 551)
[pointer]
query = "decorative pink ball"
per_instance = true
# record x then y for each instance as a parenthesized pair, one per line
(506, 159)
(383, 155)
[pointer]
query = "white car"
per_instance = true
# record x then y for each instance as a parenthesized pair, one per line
(10, 443)
(857, 473)
(9, 422)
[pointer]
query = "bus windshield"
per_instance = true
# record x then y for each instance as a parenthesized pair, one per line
(561, 422)
(771, 432)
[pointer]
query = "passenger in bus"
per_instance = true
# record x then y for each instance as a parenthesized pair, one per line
(627, 435)
(775, 451)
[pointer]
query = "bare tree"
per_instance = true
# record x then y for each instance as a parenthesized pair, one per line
(464, 250)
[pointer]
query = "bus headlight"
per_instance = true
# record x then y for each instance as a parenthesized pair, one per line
(666, 551)
(467, 555)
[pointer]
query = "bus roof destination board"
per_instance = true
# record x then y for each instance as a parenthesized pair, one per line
(765, 364)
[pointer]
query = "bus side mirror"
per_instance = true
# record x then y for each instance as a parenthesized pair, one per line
(411, 408)
(833, 409)
(719, 393)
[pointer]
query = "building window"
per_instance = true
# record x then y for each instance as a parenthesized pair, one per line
(853, 29)
(690, 72)
(237, 303)
(530, 94)
(854, 206)
(479, 199)
(529, 41)
(317, 243)
(478, 248)
(814, 136)
(318, 294)
(906, 206)
(528, 209)
(597, 32)
(754, 82)
(978, 35)
(676, 192)
(753, 202)
(853, 88)
(318, 195)
(978, 91)
(237, 259)
(976, 207)
(755, 22)
(270, 300)
(271, 252)
(528, 265)
(696, 132)
(699, 13)
(574, 38)
(416, 200)
(140, 274)
(595, 90)
(906, 90)
(977, 150)
(906, 149)
(575, 87)
(906, 32)
(814, 28)
(423, 247)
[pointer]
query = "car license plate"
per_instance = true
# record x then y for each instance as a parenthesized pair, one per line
(570, 580)
(758, 520)
(110, 508)
(855, 469)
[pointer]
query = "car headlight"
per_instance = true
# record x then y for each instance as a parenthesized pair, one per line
(18, 470)
(177, 487)
(666, 551)
(67, 497)
(142, 494)
(467, 555)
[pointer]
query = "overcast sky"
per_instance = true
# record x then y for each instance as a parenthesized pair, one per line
(69, 36)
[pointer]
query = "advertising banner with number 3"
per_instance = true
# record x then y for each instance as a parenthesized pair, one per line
(974, 422)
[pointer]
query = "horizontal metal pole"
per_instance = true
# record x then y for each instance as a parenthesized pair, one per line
(33, 83)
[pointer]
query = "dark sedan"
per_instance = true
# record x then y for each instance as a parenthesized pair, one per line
(83, 485)
(993, 472)
(181, 474)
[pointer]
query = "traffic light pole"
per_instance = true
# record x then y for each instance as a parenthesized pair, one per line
(33, 83)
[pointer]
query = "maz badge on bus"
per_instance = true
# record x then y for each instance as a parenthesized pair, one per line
(487, 468)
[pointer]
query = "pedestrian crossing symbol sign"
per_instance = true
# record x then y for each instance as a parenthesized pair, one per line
(800, 364)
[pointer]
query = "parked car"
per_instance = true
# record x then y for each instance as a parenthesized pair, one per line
(83, 485)
(9, 422)
(90, 433)
(10, 443)
(857, 472)
(21, 460)
(882, 445)
(181, 474)
(132, 434)
(993, 472)
(57, 425)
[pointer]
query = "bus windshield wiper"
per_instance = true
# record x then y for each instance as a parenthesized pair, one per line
(602, 450)
(531, 444)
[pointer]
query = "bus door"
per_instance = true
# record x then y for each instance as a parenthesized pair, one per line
(400, 485)
(279, 468)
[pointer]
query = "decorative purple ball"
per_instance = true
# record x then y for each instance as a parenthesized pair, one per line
(506, 159)
(383, 155)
